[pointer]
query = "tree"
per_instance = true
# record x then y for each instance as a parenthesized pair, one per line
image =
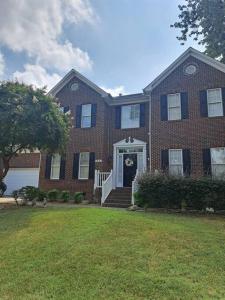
(29, 119)
(204, 20)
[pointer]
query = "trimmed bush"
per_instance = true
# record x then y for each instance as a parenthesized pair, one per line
(65, 196)
(162, 191)
(53, 195)
(41, 196)
(78, 197)
(28, 193)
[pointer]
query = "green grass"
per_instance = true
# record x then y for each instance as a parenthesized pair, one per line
(92, 253)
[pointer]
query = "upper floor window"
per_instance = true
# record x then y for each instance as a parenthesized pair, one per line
(86, 115)
(218, 162)
(55, 166)
(84, 165)
(130, 116)
(174, 107)
(176, 162)
(214, 102)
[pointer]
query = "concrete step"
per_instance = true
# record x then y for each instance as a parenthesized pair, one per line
(121, 205)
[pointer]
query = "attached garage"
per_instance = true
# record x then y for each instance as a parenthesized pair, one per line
(19, 177)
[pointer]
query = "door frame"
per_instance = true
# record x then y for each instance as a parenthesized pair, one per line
(126, 143)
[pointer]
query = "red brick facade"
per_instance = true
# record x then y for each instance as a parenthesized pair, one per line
(26, 160)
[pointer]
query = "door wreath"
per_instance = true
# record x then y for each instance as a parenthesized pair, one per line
(129, 162)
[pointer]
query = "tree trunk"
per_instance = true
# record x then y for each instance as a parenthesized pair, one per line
(4, 167)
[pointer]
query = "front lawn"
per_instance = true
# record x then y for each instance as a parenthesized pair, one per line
(93, 253)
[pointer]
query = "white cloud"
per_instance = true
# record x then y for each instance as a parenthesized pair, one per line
(37, 76)
(115, 91)
(2, 64)
(36, 27)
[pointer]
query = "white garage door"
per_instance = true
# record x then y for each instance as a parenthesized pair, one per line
(17, 178)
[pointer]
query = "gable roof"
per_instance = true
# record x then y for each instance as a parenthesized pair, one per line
(189, 52)
(69, 76)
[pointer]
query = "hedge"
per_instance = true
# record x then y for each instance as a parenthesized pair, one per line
(162, 191)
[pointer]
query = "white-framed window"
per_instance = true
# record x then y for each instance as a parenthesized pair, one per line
(84, 165)
(214, 102)
(176, 162)
(218, 162)
(86, 116)
(55, 166)
(174, 107)
(130, 116)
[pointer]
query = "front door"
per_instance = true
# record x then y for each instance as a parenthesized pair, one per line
(129, 168)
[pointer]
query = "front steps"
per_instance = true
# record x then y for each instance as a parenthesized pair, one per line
(120, 197)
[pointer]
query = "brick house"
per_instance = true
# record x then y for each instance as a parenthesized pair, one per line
(176, 124)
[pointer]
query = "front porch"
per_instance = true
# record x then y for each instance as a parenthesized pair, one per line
(129, 161)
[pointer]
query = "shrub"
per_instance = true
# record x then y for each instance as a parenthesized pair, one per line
(53, 194)
(41, 196)
(78, 197)
(65, 196)
(162, 191)
(28, 193)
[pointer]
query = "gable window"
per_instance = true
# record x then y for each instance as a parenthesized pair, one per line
(176, 162)
(174, 107)
(218, 162)
(214, 102)
(86, 116)
(130, 116)
(84, 165)
(55, 166)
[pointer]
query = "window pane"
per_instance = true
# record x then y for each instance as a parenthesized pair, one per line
(218, 155)
(174, 100)
(84, 172)
(86, 110)
(55, 166)
(175, 157)
(84, 158)
(214, 96)
(218, 171)
(174, 113)
(215, 109)
(130, 116)
(176, 170)
(86, 122)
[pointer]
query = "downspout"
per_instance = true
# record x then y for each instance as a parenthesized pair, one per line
(150, 133)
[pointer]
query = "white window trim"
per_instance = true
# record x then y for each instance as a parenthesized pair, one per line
(83, 116)
(51, 176)
(221, 102)
(215, 164)
(182, 173)
(168, 108)
(83, 165)
(129, 127)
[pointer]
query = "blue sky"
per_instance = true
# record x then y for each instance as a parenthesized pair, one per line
(121, 45)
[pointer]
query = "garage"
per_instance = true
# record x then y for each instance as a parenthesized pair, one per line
(19, 177)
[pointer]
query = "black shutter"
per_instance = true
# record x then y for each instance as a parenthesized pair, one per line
(78, 116)
(93, 114)
(92, 165)
(76, 165)
(62, 168)
(48, 166)
(184, 105)
(118, 117)
(203, 103)
(165, 160)
(206, 162)
(223, 97)
(163, 108)
(186, 162)
(142, 115)
(66, 109)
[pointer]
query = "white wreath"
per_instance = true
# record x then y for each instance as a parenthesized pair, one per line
(129, 162)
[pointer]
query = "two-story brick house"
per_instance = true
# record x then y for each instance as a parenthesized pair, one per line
(176, 124)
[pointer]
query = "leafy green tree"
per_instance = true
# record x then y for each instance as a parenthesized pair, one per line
(204, 20)
(29, 119)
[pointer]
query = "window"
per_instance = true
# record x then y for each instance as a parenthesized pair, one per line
(218, 162)
(214, 102)
(176, 162)
(55, 166)
(130, 116)
(86, 116)
(174, 107)
(84, 165)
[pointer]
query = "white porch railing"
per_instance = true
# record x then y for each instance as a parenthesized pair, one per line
(99, 178)
(107, 186)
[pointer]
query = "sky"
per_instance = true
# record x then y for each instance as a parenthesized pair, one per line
(120, 45)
